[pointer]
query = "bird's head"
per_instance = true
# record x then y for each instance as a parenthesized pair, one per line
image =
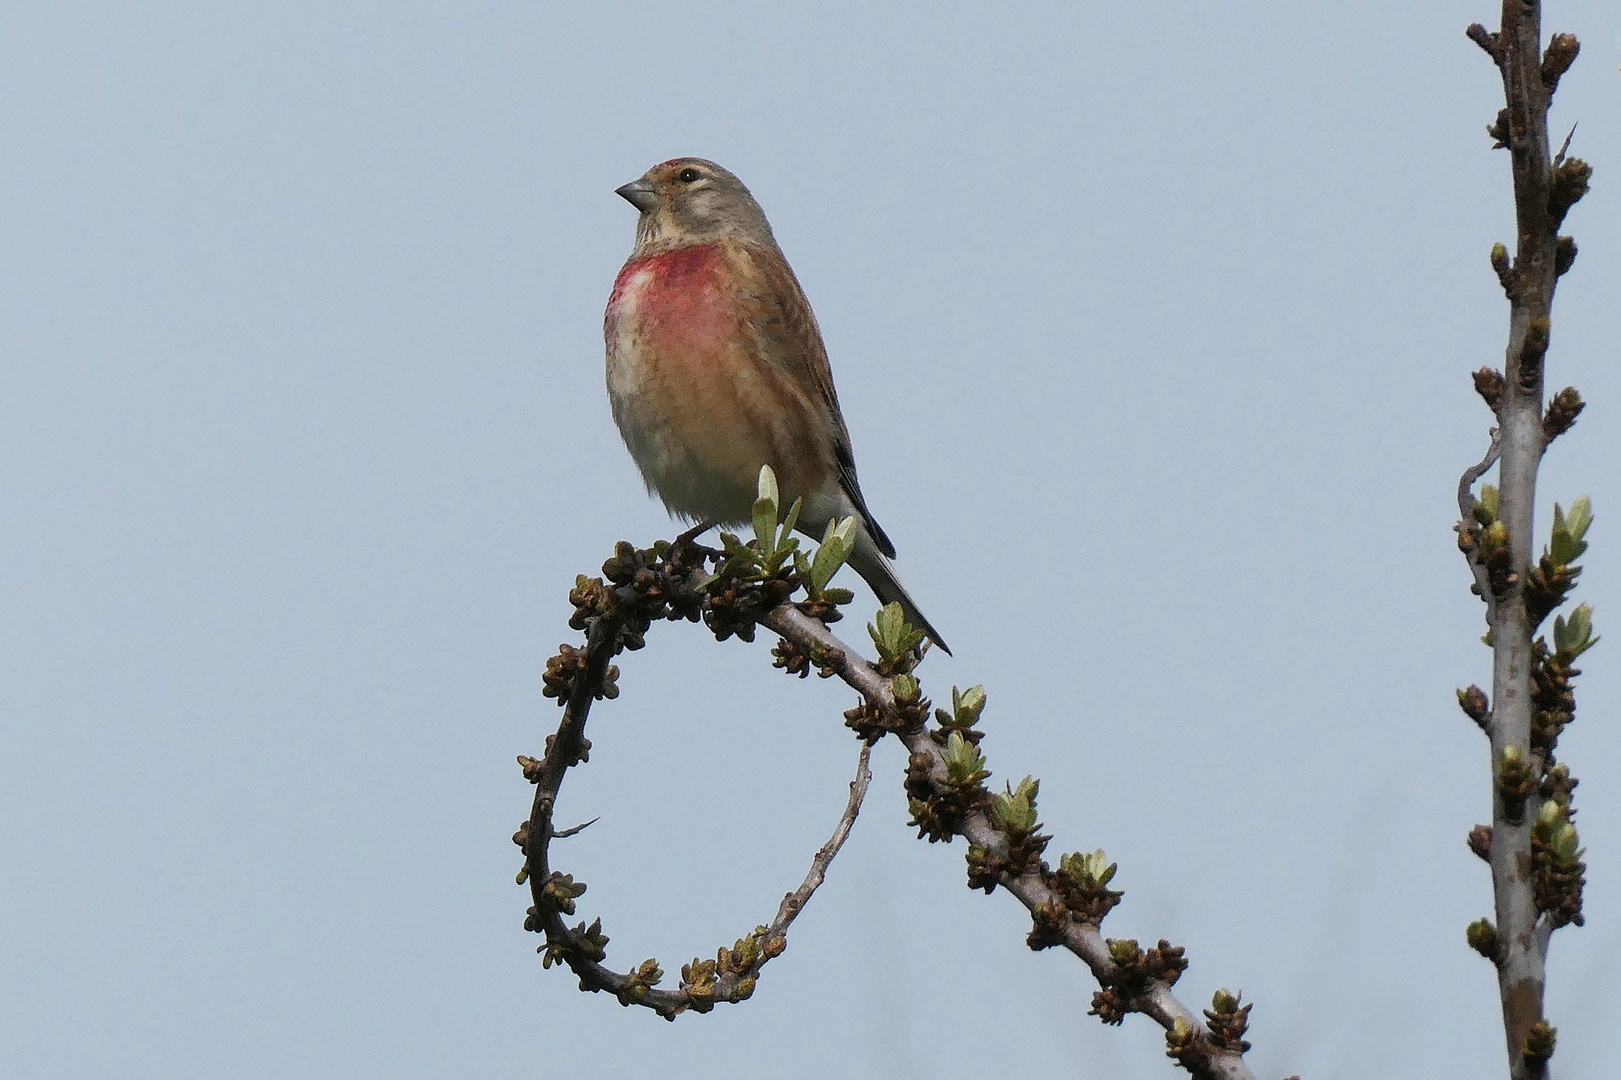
(689, 200)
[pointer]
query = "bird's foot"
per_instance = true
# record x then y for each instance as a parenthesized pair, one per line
(686, 553)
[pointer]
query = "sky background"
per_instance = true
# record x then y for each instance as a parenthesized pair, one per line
(1153, 326)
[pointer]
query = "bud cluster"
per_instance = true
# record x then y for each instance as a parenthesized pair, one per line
(938, 806)
(1484, 538)
(1557, 870)
(1135, 969)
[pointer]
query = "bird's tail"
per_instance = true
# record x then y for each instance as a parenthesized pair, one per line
(877, 571)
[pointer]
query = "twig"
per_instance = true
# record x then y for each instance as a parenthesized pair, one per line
(794, 902)
(1466, 482)
(1468, 530)
(580, 828)
(1564, 148)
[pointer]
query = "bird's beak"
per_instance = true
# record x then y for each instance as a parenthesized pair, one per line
(640, 194)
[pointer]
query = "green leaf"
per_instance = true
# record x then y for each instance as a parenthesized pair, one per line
(768, 486)
(1565, 842)
(886, 628)
(838, 540)
(1574, 636)
(765, 526)
(966, 706)
(780, 557)
(964, 762)
(1580, 517)
(1015, 811)
(1088, 869)
(845, 534)
(905, 689)
(822, 567)
(892, 634)
(1568, 530)
(789, 522)
(1013, 814)
(765, 512)
(1493, 540)
(826, 562)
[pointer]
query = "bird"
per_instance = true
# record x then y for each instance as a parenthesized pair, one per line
(716, 366)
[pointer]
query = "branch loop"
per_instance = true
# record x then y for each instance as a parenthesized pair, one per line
(662, 582)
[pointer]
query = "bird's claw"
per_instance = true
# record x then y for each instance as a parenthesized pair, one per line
(686, 553)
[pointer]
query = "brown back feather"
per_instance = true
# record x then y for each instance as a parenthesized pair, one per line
(787, 323)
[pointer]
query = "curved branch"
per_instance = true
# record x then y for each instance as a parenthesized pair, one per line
(1466, 482)
(1469, 530)
(731, 976)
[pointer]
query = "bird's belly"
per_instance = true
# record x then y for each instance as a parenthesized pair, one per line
(678, 456)
(679, 400)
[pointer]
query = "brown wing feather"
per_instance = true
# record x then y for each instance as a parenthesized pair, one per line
(791, 338)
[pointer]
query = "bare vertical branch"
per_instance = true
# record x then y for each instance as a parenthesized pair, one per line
(1544, 189)
(1521, 970)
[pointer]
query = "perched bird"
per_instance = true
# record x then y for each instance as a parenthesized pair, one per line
(716, 367)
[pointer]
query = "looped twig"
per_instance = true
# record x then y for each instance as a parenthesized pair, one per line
(1466, 482)
(731, 976)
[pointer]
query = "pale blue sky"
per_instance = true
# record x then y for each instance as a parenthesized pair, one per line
(1152, 324)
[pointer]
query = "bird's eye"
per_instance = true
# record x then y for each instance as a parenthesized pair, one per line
(687, 176)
